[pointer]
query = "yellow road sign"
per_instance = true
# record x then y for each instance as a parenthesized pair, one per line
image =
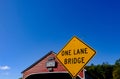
(75, 55)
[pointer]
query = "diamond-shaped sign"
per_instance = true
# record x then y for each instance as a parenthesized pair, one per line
(75, 55)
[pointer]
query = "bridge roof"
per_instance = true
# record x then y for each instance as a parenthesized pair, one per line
(51, 52)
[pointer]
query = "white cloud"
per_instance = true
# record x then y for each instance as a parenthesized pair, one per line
(4, 67)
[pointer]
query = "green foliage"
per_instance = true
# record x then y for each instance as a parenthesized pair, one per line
(117, 63)
(105, 71)
(116, 71)
(20, 78)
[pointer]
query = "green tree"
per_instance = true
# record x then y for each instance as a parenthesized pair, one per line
(116, 71)
(107, 70)
(94, 71)
(103, 71)
(20, 78)
(117, 63)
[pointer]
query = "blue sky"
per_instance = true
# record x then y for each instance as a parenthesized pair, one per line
(29, 29)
